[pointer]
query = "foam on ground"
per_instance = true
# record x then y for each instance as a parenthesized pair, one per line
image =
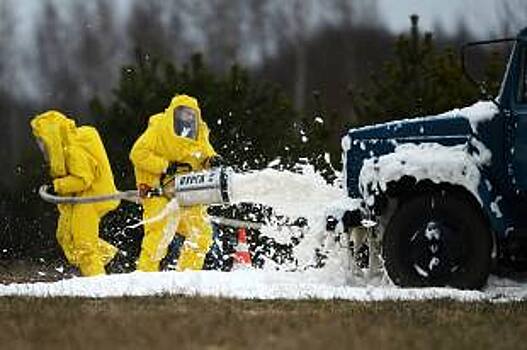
(253, 284)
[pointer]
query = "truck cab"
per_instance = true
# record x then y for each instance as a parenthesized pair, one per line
(448, 192)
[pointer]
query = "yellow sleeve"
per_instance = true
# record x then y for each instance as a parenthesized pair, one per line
(81, 172)
(143, 155)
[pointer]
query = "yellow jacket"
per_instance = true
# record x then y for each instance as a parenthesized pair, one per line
(78, 162)
(159, 145)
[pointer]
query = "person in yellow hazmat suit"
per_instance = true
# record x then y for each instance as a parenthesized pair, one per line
(79, 167)
(177, 136)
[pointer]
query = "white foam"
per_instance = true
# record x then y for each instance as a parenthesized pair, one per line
(304, 194)
(430, 161)
(479, 112)
(253, 284)
(292, 194)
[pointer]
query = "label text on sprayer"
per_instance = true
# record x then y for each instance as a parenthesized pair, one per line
(196, 179)
(190, 180)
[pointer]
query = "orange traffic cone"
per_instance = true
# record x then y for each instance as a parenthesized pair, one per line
(242, 257)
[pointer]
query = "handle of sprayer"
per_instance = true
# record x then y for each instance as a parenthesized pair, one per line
(131, 196)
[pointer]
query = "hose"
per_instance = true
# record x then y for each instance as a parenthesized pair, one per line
(131, 196)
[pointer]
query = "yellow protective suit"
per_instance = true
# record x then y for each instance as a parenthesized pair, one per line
(151, 154)
(79, 167)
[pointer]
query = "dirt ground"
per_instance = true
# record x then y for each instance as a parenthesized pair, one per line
(20, 271)
(172, 322)
(211, 323)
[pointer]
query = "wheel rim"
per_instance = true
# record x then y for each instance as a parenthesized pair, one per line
(435, 251)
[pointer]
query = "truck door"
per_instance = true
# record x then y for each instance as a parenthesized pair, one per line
(519, 124)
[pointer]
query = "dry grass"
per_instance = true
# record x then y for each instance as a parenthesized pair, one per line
(210, 323)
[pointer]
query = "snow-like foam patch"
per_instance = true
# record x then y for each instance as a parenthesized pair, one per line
(252, 284)
(305, 194)
(479, 112)
(430, 161)
(292, 194)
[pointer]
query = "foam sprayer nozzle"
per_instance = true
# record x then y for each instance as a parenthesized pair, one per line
(203, 187)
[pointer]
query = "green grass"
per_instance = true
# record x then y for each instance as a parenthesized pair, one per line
(210, 323)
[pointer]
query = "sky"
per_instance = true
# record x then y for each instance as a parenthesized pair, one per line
(479, 15)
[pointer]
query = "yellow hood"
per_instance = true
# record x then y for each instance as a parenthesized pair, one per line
(183, 101)
(55, 130)
(167, 118)
(165, 124)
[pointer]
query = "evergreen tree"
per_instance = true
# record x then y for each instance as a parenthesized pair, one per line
(419, 81)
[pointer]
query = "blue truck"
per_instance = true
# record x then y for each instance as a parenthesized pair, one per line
(448, 192)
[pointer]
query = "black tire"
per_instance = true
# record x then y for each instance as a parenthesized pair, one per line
(438, 240)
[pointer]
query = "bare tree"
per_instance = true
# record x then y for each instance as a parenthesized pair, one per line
(179, 36)
(7, 31)
(344, 12)
(97, 50)
(9, 130)
(259, 30)
(222, 28)
(147, 28)
(55, 46)
(512, 16)
(293, 21)
(366, 13)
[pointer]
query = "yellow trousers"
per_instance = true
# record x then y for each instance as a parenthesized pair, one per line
(78, 236)
(189, 222)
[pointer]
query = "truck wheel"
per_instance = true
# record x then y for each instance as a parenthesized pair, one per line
(437, 240)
